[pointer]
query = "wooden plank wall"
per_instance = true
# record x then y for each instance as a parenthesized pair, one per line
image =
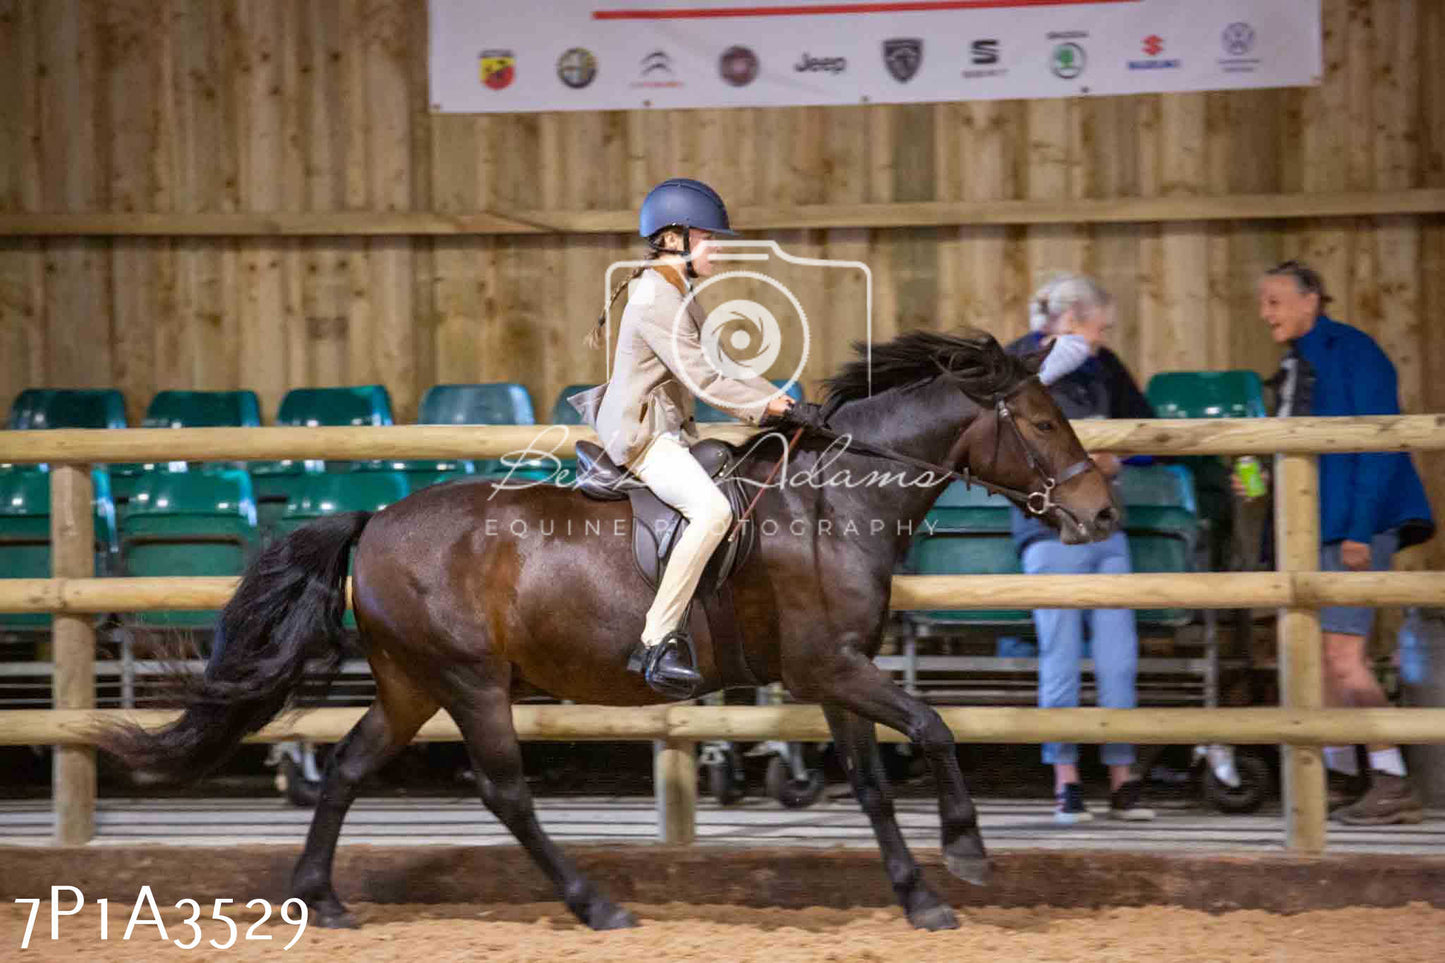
(210, 106)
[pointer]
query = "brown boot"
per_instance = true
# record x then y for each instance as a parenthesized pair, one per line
(1345, 790)
(1390, 799)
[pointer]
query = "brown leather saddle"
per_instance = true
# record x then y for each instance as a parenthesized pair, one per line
(656, 527)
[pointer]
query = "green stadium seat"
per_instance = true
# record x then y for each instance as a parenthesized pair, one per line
(189, 523)
(958, 553)
(1159, 499)
(1207, 394)
(967, 532)
(422, 474)
(36, 408)
(25, 532)
(969, 509)
(499, 403)
(707, 414)
(332, 493)
(188, 409)
(318, 407)
(203, 409)
(277, 482)
(1161, 553)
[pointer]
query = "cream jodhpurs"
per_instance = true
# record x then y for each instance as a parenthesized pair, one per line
(675, 477)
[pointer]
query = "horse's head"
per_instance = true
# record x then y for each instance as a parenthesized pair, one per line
(1022, 440)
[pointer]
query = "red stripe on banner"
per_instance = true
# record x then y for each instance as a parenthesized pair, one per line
(897, 6)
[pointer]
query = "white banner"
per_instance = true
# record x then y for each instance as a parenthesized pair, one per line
(507, 55)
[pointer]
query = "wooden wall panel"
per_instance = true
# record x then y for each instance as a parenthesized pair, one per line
(213, 106)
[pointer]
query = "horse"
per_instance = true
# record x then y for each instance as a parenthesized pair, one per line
(463, 605)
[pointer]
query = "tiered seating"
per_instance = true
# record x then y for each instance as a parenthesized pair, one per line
(189, 523)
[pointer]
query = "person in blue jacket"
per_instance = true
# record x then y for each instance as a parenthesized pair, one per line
(1371, 506)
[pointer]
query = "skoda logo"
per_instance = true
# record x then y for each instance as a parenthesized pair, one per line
(1068, 61)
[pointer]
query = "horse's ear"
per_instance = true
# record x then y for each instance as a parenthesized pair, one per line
(1034, 360)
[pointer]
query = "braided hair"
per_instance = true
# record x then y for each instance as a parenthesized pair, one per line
(656, 249)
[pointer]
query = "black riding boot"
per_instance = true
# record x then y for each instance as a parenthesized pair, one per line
(667, 666)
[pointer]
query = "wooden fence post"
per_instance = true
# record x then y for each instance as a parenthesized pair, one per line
(72, 555)
(675, 784)
(1301, 659)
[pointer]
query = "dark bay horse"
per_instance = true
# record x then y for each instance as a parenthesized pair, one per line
(465, 594)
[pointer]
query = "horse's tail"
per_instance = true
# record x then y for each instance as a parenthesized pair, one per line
(288, 609)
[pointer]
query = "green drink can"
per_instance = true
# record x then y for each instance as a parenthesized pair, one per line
(1251, 476)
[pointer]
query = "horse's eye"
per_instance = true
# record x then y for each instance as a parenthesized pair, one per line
(1044, 425)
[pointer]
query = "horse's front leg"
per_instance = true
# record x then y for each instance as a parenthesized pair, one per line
(851, 680)
(857, 747)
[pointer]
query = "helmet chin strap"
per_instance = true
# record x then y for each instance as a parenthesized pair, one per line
(685, 253)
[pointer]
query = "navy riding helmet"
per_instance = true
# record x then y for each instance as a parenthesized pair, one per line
(683, 202)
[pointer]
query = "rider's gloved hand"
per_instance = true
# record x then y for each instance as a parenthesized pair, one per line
(801, 414)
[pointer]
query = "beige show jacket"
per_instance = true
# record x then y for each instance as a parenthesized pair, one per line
(647, 394)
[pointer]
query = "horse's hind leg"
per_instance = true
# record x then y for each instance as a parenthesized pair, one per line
(389, 724)
(857, 746)
(485, 718)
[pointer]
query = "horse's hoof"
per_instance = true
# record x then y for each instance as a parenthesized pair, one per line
(940, 917)
(342, 920)
(611, 917)
(970, 869)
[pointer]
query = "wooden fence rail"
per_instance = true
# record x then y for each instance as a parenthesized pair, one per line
(1224, 436)
(798, 723)
(1206, 590)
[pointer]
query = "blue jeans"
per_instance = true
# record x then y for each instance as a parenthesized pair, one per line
(1115, 640)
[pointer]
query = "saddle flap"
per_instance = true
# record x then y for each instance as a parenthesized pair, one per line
(597, 476)
(713, 455)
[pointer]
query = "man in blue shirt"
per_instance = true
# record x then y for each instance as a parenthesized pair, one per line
(1371, 505)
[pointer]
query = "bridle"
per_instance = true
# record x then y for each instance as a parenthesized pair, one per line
(1039, 501)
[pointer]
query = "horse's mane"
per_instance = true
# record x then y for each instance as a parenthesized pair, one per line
(972, 358)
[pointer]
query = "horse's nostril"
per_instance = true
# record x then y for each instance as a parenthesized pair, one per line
(1106, 519)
